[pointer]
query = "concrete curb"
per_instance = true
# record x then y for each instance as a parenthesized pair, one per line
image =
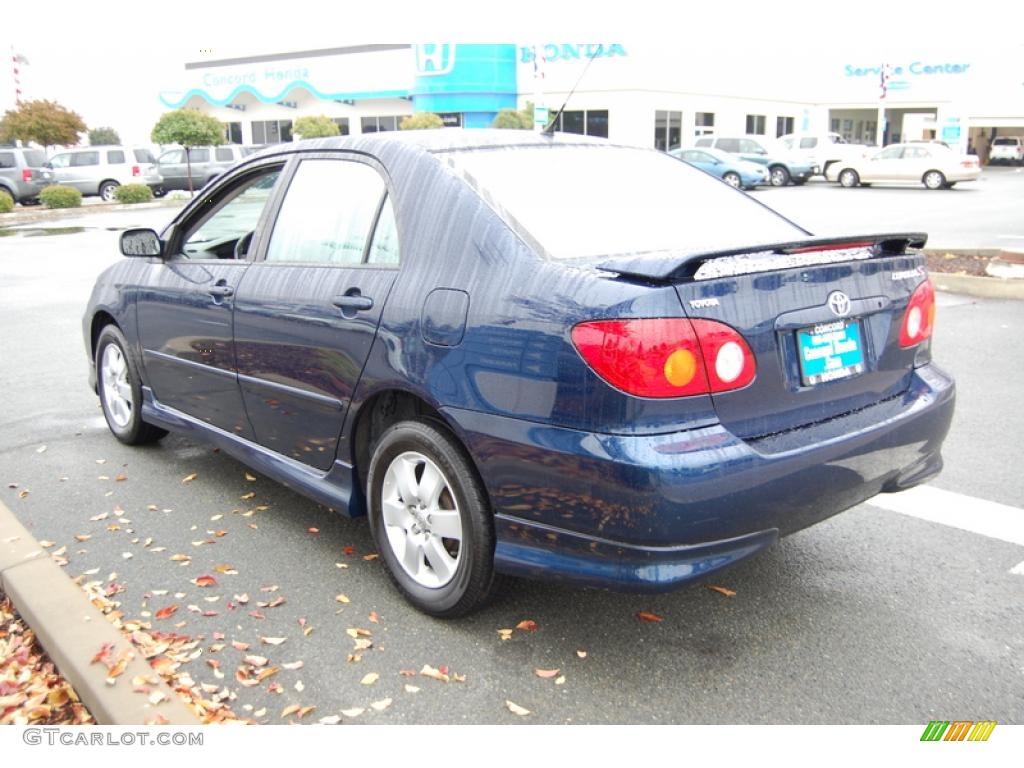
(72, 631)
(22, 216)
(979, 287)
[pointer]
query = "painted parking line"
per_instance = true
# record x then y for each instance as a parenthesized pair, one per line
(997, 521)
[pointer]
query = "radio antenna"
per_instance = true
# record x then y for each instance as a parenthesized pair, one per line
(550, 129)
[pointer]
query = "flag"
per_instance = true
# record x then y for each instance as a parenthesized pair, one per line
(884, 81)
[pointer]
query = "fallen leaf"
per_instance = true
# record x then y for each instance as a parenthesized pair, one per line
(290, 710)
(408, 672)
(560, 680)
(355, 632)
(120, 478)
(156, 697)
(721, 590)
(330, 720)
(250, 478)
(515, 709)
(229, 569)
(527, 625)
(411, 688)
(436, 674)
(546, 674)
(242, 598)
(103, 655)
(369, 679)
(647, 616)
(342, 599)
(581, 654)
(273, 640)
(247, 496)
(352, 712)
(505, 634)
(41, 449)
(313, 530)
(292, 665)
(23, 493)
(348, 551)
(190, 478)
(167, 612)
(373, 556)
(239, 646)
(100, 516)
(374, 617)
(83, 537)
(381, 705)
(157, 720)
(306, 710)
(205, 581)
(181, 558)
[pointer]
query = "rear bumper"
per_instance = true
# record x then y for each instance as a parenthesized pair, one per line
(650, 512)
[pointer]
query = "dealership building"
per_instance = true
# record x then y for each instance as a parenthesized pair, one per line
(649, 96)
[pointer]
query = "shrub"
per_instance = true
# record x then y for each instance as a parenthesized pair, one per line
(56, 196)
(421, 121)
(315, 127)
(6, 202)
(133, 193)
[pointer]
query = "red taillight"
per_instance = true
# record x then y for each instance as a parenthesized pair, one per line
(919, 318)
(666, 357)
(26, 174)
(136, 171)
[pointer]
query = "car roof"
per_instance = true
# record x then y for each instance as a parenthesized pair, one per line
(436, 140)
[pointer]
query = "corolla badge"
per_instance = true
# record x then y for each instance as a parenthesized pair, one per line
(839, 303)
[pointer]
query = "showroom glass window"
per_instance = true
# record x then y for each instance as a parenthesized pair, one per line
(332, 229)
(755, 125)
(668, 130)
(783, 126)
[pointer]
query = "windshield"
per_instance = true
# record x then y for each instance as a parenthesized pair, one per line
(576, 201)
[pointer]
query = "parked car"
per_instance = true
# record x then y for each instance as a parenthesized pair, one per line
(100, 170)
(630, 387)
(934, 165)
(207, 163)
(1007, 149)
(23, 173)
(783, 167)
(822, 149)
(732, 170)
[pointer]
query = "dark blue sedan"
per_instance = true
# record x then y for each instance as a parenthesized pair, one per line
(520, 354)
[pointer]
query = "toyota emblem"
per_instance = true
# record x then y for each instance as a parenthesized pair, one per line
(839, 303)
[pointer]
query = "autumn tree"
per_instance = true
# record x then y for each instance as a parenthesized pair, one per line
(315, 127)
(105, 135)
(188, 128)
(44, 122)
(420, 121)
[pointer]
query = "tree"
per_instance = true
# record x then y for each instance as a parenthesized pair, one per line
(44, 122)
(315, 127)
(420, 121)
(190, 129)
(104, 135)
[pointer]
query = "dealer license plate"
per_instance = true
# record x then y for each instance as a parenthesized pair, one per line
(830, 351)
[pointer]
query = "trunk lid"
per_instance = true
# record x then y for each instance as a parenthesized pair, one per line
(821, 315)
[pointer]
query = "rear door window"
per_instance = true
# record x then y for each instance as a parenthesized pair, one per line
(318, 228)
(79, 159)
(199, 155)
(729, 145)
(115, 156)
(224, 154)
(7, 160)
(34, 158)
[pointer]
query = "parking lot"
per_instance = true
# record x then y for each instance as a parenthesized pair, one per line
(875, 616)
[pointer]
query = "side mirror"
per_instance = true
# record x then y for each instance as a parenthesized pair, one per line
(141, 242)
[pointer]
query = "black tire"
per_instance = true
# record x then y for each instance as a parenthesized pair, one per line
(799, 182)
(457, 576)
(848, 178)
(732, 179)
(950, 184)
(125, 420)
(779, 175)
(933, 179)
(107, 189)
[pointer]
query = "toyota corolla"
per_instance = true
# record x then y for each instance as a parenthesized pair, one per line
(541, 356)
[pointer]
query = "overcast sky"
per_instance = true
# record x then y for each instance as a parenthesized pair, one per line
(108, 61)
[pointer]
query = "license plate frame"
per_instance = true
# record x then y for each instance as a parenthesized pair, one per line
(830, 351)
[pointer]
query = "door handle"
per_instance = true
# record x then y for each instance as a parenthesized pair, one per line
(354, 302)
(220, 291)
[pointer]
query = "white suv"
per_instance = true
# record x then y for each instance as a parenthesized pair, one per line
(102, 169)
(822, 149)
(1007, 149)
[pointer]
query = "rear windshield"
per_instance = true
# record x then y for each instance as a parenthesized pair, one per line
(143, 156)
(590, 201)
(1006, 142)
(34, 158)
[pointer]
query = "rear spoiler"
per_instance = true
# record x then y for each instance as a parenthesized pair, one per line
(676, 266)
